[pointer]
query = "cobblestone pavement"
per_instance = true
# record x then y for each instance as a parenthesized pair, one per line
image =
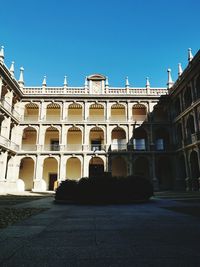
(148, 234)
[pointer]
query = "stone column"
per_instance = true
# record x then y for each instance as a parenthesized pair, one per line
(3, 165)
(39, 183)
(129, 111)
(42, 113)
(86, 160)
(86, 132)
(9, 99)
(153, 174)
(1, 83)
(41, 137)
(108, 137)
(86, 110)
(5, 127)
(62, 168)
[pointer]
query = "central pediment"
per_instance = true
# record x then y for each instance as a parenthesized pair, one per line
(96, 77)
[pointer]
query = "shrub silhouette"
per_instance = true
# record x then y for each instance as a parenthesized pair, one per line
(105, 189)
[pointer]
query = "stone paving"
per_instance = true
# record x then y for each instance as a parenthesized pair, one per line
(111, 236)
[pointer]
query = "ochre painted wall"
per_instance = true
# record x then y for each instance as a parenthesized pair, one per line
(50, 166)
(73, 169)
(26, 172)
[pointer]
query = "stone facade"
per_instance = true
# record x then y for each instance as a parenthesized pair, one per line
(49, 134)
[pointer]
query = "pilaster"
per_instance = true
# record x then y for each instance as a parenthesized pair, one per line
(3, 165)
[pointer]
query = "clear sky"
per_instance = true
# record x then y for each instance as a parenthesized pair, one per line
(117, 38)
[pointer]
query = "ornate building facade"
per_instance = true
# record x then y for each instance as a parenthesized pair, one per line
(48, 134)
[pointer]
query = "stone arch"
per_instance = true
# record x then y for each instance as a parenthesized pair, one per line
(96, 166)
(139, 112)
(190, 125)
(96, 112)
(53, 111)
(141, 167)
(96, 138)
(164, 172)
(50, 172)
(198, 87)
(75, 112)
(118, 112)
(159, 113)
(119, 166)
(51, 141)
(179, 135)
(140, 139)
(73, 168)
(118, 137)
(26, 173)
(177, 107)
(74, 139)
(31, 111)
(194, 165)
(187, 96)
(29, 138)
(162, 139)
(181, 168)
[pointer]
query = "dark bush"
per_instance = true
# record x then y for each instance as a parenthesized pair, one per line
(105, 189)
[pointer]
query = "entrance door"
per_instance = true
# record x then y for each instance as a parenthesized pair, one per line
(96, 170)
(53, 181)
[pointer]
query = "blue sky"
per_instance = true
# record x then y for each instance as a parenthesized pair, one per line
(138, 38)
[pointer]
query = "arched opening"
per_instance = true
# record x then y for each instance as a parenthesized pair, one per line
(31, 112)
(75, 112)
(177, 107)
(141, 167)
(74, 139)
(50, 173)
(51, 142)
(159, 113)
(139, 112)
(181, 168)
(26, 172)
(161, 139)
(194, 165)
(29, 138)
(139, 139)
(188, 97)
(179, 135)
(119, 166)
(96, 112)
(73, 168)
(198, 87)
(96, 167)
(96, 139)
(53, 112)
(164, 172)
(190, 129)
(118, 112)
(118, 137)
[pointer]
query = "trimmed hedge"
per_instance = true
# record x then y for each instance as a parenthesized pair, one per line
(105, 189)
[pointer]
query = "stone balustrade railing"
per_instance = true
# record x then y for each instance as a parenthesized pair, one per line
(85, 90)
(8, 144)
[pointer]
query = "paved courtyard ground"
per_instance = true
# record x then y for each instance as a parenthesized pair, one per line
(163, 232)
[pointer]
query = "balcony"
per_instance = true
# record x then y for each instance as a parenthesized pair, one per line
(73, 147)
(51, 147)
(8, 144)
(118, 118)
(96, 118)
(31, 118)
(10, 108)
(74, 118)
(28, 147)
(52, 118)
(119, 145)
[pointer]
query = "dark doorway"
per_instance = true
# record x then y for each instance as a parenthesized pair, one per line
(54, 145)
(96, 170)
(96, 145)
(53, 181)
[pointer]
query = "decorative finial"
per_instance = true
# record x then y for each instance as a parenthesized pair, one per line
(107, 83)
(127, 82)
(2, 54)
(86, 81)
(21, 77)
(65, 81)
(44, 83)
(180, 71)
(190, 56)
(169, 82)
(12, 69)
(147, 83)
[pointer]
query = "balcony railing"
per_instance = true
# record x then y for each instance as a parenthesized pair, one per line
(28, 147)
(96, 118)
(139, 118)
(53, 118)
(73, 147)
(118, 118)
(31, 118)
(51, 147)
(74, 118)
(10, 108)
(8, 144)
